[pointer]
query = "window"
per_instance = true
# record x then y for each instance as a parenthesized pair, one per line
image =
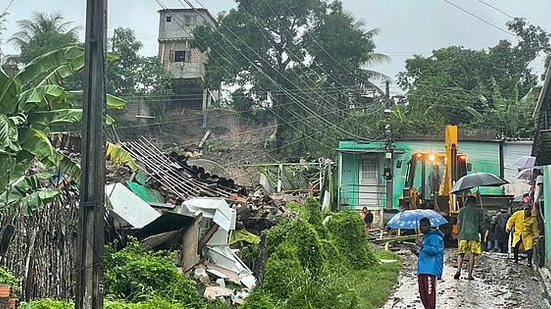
(168, 19)
(180, 56)
(369, 170)
(187, 20)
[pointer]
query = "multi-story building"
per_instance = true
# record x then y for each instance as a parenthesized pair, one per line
(186, 65)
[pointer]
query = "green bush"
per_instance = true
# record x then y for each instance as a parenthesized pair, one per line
(8, 279)
(249, 255)
(259, 300)
(138, 275)
(283, 272)
(315, 266)
(347, 229)
(313, 209)
(154, 303)
(48, 304)
(302, 236)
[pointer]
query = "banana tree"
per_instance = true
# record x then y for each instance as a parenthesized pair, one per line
(510, 114)
(31, 103)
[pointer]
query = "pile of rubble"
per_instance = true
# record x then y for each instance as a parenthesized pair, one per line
(260, 212)
(170, 205)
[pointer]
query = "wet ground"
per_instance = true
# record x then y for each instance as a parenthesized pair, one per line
(499, 283)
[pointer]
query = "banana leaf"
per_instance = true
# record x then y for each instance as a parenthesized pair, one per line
(9, 93)
(61, 116)
(113, 102)
(43, 96)
(37, 143)
(120, 156)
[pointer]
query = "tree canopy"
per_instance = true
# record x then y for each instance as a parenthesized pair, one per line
(132, 73)
(304, 61)
(458, 85)
(43, 33)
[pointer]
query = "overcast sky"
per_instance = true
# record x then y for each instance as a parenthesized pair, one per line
(407, 26)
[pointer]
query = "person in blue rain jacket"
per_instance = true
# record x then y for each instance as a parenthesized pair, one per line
(431, 262)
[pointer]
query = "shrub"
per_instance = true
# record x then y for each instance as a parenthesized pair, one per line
(283, 272)
(259, 300)
(347, 229)
(137, 275)
(302, 236)
(48, 304)
(313, 209)
(8, 279)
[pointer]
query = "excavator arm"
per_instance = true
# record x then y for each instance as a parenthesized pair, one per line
(450, 171)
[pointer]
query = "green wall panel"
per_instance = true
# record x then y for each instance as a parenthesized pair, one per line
(484, 157)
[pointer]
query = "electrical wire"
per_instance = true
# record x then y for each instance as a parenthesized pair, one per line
(496, 8)
(239, 51)
(7, 7)
(282, 119)
(479, 18)
(306, 108)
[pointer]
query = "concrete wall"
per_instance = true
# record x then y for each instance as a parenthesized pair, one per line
(182, 22)
(176, 35)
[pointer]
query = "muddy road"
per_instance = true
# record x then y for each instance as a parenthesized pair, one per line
(499, 283)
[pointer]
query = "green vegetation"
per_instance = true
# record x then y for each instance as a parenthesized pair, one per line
(316, 266)
(7, 278)
(489, 88)
(303, 57)
(42, 34)
(137, 275)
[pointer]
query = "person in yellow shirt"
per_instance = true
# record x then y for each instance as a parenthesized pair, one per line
(526, 230)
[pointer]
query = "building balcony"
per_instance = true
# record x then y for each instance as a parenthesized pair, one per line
(185, 70)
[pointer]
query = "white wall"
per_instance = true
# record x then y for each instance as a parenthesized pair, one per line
(512, 151)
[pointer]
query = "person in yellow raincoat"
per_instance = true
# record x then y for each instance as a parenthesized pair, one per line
(526, 230)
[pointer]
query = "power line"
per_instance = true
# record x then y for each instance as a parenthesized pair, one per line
(496, 8)
(304, 107)
(480, 18)
(253, 64)
(7, 7)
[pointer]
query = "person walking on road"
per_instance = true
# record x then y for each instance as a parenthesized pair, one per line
(430, 263)
(470, 221)
(526, 230)
(502, 235)
(490, 236)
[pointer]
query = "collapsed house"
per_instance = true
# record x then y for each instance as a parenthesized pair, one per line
(168, 204)
(165, 203)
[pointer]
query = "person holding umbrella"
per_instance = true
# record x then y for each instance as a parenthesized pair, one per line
(470, 221)
(430, 263)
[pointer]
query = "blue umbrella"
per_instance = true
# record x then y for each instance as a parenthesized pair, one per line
(409, 219)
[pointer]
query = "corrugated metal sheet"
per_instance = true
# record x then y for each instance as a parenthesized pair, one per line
(147, 194)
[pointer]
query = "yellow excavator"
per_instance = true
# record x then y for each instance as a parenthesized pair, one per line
(438, 172)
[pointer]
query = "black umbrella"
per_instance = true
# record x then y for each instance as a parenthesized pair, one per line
(477, 180)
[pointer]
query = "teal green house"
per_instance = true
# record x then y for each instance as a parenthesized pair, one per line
(361, 181)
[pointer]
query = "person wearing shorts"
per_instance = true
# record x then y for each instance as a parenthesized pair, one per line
(470, 220)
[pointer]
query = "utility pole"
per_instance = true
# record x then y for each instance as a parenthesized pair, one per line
(389, 152)
(89, 268)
